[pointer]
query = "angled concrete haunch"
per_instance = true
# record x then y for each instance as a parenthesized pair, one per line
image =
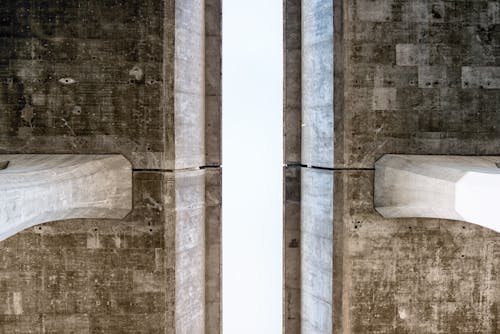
(35, 189)
(463, 188)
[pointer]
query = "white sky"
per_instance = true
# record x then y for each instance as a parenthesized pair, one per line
(252, 166)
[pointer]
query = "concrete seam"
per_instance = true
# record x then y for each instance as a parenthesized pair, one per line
(328, 168)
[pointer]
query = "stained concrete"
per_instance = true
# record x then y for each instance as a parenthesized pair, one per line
(291, 251)
(137, 78)
(114, 77)
(410, 77)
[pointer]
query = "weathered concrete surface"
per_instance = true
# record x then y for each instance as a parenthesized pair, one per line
(416, 82)
(317, 83)
(93, 276)
(308, 140)
(413, 275)
(189, 85)
(410, 77)
(145, 274)
(138, 78)
(35, 189)
(111, 77)
(421, 78)
(292, 73)
(213, 82)
(185, 221)
(291, 251)
(292, 138)
(316, 250)
(447, 187)
(213, 250)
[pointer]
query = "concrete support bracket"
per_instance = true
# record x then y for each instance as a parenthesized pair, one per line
(462, 188)
(36, 188)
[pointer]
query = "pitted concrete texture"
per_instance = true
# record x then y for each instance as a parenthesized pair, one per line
(145, 274)
(137, 78)
(35, 189)
(413, 275)
(90, 276)
(410, 77)
(291, 251)
(421, 77)
(292, 94)
(111, 77)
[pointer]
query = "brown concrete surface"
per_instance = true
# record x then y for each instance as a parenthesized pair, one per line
(411, 77)
(138, 78)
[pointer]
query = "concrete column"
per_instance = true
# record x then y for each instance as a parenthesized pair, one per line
(316, 250)
(448, 187)
(36, 189)
(317, 83)
(308, 144)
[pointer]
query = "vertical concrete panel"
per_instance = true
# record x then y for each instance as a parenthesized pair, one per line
(292, 118)
(317, 83)
(291, 251)
(213, 82)
(190, 252)
(338, 82)
(316, 250)
(213, 255)
(189, 86)
(292, 138)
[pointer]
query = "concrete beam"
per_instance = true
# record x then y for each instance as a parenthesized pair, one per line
(448, 187)
(36, 189)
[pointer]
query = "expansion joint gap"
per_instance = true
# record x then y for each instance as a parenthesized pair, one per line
(327, 168)
(161, 170)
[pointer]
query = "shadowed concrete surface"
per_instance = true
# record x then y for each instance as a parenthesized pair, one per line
(137, 78)
(448, 187)
(35, 189)
(410, 77)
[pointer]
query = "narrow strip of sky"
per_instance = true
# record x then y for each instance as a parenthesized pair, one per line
(252, 166)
